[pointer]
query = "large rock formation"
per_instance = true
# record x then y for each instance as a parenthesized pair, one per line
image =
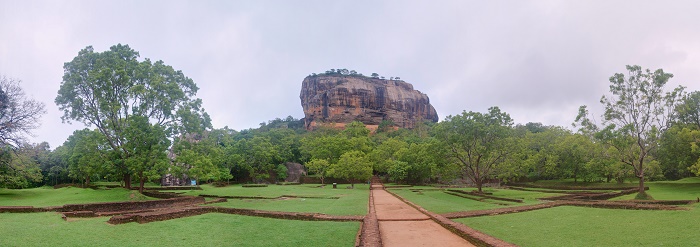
(342, 99)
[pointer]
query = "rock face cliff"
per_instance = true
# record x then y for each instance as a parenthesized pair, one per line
(342, 99)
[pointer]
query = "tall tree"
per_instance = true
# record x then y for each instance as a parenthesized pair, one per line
(636, 113)
(86, 154)
(107, 88)
(689, 110)
(147, 144)
(19, 115)
(353, 166)
(477, 142)
(319, 167)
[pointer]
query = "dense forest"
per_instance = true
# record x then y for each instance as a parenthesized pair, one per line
(146, 123)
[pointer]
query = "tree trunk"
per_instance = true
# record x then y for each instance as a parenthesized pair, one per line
(87, 181)
(141, 182)
(127, 180)
(641, 174)
(479, 183)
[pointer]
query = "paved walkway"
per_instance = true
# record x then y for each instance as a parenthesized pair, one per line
(402, 225)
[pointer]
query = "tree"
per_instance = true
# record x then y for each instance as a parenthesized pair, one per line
(86, 156)
(636, 113)
(107, 88)
(384, 155)
(353, 166)
(19, 115)
(374, 75)
(477, 142)
(147, 144)
(676, 153)
(17, 169)
(689, 110)
(319, 167)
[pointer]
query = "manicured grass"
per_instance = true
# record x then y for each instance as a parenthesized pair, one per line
(675, 190)
(580, 226)
(571, 183)
(48, 196)
(440, 202)
(349, 202)
(48, 229)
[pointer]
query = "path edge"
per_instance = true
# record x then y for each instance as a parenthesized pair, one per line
(470, 234)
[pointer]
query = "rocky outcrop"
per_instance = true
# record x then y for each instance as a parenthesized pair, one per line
(343, 99)
(294, 172)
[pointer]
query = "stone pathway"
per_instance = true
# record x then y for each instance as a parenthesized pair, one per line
(402, 225)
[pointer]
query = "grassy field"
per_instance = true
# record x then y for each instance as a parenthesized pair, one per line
(48, 229)
(580, 226)
(48, 196)
(440, 202)
(349, 202)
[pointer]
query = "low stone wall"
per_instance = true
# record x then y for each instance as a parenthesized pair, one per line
(130, 206)
(21, 209)
(370, 235)
(269, 198)
(486, 196)
(594, 196)
(578, 203)
(562, 187)
(161, 215)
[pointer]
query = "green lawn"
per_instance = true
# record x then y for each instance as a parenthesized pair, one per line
(580, 226)
(685, 189)
(48, 196)
(440, 202)
(48, 229)
(349, 202)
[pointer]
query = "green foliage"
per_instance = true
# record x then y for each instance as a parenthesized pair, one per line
(319, 167)
(17, 170)
(478, 142)
(398, 170)
(86, 155)
(353, 166)
(148, 145)
(384, 155)
(636, 114)
(689, 110)
(106, 89)
(281, 172)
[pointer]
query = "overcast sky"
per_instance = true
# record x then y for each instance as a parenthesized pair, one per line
(537, 60)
